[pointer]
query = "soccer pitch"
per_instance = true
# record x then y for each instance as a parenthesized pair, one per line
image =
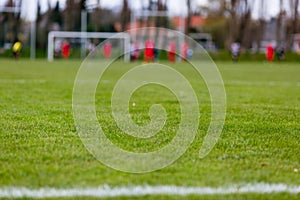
(260, 142)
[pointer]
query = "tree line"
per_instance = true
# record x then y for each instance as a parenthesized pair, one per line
(232, 21)
(227, 20)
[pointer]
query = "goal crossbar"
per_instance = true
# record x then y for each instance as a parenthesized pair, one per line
(85, 35)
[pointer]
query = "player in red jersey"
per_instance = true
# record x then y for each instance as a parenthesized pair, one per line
(65, 49)
(270, 53)
(107, 49)
(172, 52)
(149, 51)
(184, 51)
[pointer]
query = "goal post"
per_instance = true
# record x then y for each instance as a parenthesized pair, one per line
(87, 35)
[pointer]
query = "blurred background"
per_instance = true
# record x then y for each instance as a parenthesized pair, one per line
(216, 24)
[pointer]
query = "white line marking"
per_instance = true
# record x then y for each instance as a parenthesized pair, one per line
(21, 81)
(106, 191)
(262, 83)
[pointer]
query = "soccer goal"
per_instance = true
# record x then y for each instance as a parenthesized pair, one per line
(83, 42)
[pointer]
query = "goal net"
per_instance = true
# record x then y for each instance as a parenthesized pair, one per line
(79, 44)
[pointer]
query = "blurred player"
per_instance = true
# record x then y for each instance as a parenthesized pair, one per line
(156, 54)
(172, 52)
(107, 49)
(92, 49)
(280, 53)
(65, 49)
(270, 53)
(57, 48)
(16, 48)
(190, 53)
(134, 51)
(149, 51)
(184, 51)
(235, 51)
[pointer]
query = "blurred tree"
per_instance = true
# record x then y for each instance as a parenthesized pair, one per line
(230, 21)
(125, 15)
(279, 25)
(218, 28)
(43, 23)
(245, 22)
(240, 22)
(233, 30)
(293, 26)
(56, 15)
(159, 21)
(189, 16)
(102, 19)
(83, 5)
(72, 16)
(295, 15)
(217, 22)
(96, 19)
(13, 21)
(152, 5)
(162, 21)
(260, 25)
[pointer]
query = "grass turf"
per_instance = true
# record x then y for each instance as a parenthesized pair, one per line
(40, 146)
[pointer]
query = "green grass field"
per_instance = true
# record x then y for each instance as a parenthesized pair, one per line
(260, 142)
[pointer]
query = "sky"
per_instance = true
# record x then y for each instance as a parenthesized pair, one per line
(176, 7)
